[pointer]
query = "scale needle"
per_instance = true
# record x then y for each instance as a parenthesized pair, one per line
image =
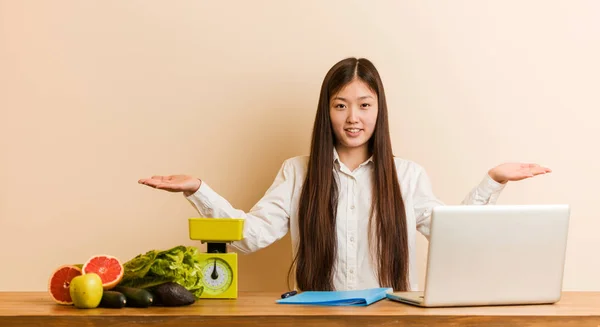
(214, 274)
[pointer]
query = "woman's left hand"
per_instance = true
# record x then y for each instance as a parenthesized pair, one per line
(516, 171)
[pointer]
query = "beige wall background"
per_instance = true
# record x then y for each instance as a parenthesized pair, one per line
(95, 95)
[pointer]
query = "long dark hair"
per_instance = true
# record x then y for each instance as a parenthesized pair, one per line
(316, 252)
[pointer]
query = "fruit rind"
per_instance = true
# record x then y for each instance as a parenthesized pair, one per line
(74, 267)
(106, 285)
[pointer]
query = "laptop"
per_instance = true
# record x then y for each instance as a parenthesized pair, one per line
(481, 255)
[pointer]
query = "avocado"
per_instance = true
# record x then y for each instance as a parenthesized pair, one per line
(172, 294)
(136, 297)
(112, 299)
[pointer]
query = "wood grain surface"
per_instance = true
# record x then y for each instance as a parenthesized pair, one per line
(260, 309)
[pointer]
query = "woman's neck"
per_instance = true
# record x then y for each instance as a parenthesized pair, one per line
(353, 157)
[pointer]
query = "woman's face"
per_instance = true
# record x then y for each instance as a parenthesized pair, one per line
(353, 112)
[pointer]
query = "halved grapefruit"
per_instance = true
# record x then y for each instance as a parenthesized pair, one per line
(107, 267)
(58, 284)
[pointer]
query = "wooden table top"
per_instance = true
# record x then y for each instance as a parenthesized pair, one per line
(259, 309)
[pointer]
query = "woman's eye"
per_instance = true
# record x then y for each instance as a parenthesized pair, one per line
(340, 106)
(365, 105)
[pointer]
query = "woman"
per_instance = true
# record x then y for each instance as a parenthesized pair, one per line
(352, 207)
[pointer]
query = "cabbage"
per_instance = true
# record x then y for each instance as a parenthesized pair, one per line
(179, 264)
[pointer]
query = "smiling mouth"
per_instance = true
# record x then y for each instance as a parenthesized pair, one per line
(353, 130)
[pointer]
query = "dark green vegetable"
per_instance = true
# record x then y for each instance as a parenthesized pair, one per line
(136, 297)
(113, 299)
(172, 295)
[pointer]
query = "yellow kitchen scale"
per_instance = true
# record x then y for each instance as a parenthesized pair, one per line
(219, 268)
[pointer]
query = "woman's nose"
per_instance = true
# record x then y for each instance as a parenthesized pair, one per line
(352, 115)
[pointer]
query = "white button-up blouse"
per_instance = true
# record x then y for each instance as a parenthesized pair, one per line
(276, 213)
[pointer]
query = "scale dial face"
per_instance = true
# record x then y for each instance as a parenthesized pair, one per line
(217, 276)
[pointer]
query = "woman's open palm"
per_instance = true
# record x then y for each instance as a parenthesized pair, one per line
(173, 183)
(516, 171)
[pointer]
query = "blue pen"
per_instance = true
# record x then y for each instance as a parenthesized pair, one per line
(288, 294)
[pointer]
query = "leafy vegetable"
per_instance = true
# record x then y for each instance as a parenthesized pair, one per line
(179, 264)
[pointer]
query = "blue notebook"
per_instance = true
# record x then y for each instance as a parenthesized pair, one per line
(338, 298)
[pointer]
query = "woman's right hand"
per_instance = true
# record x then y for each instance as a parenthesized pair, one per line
(173, 183)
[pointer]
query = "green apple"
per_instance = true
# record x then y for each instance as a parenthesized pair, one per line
(86, 291)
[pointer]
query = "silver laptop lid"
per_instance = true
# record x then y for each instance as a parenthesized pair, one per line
(496, 254)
